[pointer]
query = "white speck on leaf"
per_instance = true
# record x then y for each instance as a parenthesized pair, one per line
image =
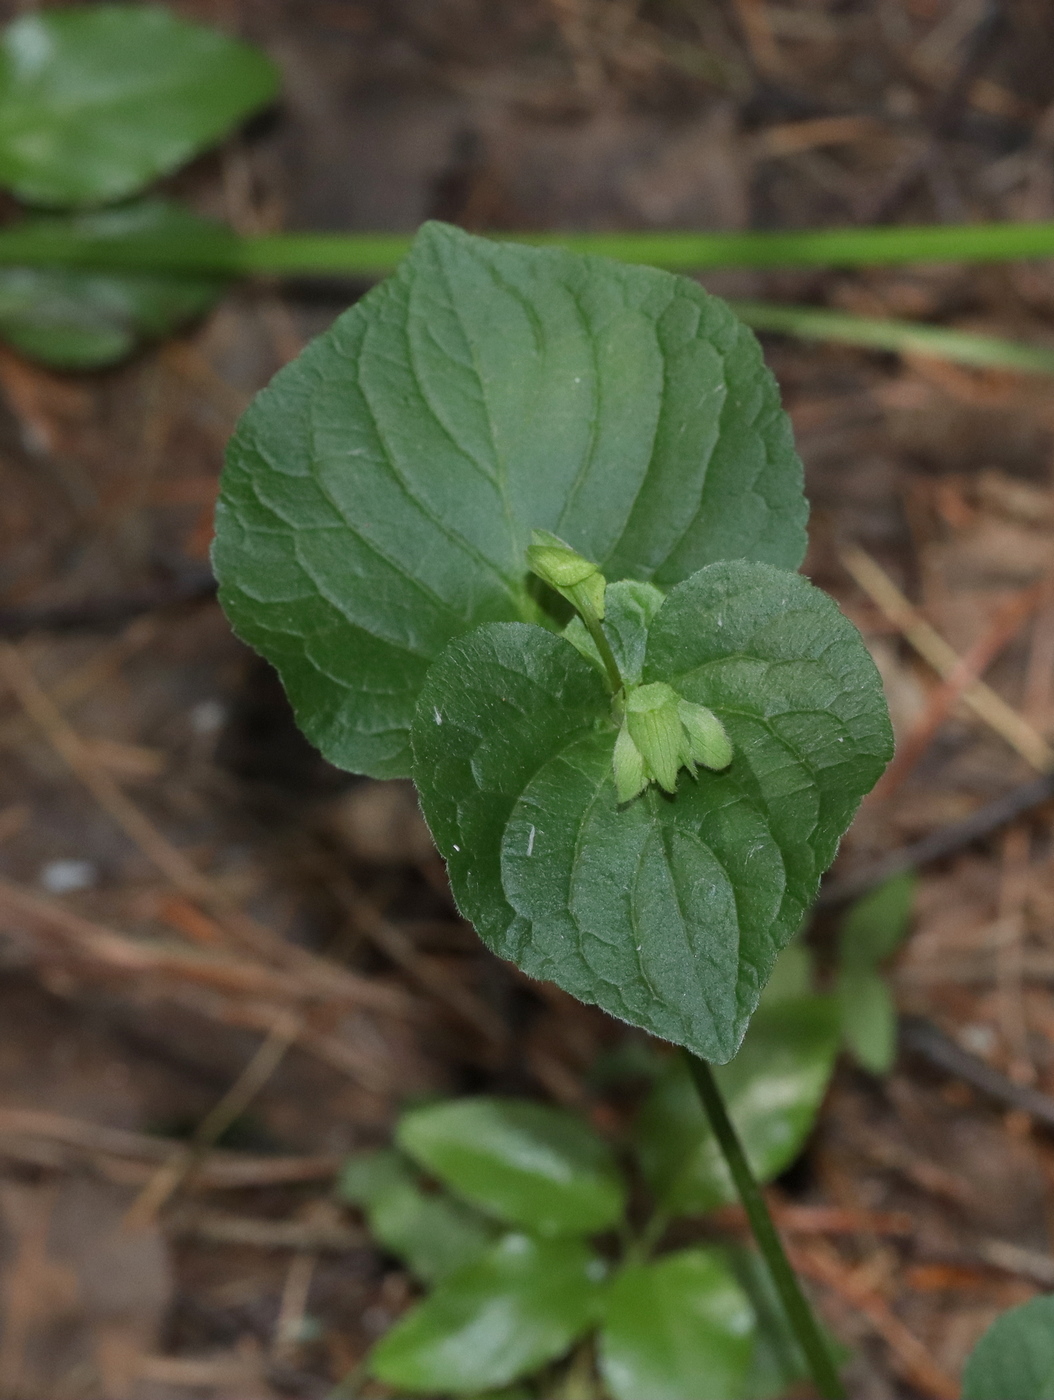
(458, 849)
(530, 842)
(439, 717)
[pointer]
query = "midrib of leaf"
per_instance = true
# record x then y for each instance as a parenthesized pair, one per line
(638, 947)
(501, 477)
(454, 536)
(582, 475)
(663, 833)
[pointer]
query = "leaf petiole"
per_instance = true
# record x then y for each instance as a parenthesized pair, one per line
(799, 1314)
(596, 630)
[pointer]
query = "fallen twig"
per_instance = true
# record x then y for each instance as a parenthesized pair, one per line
(908, 1355)
(186, 1160)
(107, 613)
(932, 647)
(945, 841)
(222, 1169)
(822, 1220)
(135, 957)
(923, 1038)
(970, 667)
(223, 1227)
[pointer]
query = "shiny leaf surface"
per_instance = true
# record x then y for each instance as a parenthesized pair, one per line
(773, 1089)
(678, 1329)
(522, 1304)
(432, 1232)
(97, 101)
(84, 320)
(525, 1163)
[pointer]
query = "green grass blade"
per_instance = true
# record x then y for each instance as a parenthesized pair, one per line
(369, 255)
(900, 337)
(374, 254)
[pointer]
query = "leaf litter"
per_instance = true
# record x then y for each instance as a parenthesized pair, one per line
(942, 475)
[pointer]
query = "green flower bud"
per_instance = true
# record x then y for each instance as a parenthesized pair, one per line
(708, 743)
(575, 578)
(662, 733)
(655, 727)
(630, 777)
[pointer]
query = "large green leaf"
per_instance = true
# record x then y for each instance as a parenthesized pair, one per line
(99, 100)
(526, 1163)
(679, 1329)
(1014, 1360)
(522, 1304)
(379, 496)
(773, 1089)
(434, 1233)
(82, 320)
(666, 911)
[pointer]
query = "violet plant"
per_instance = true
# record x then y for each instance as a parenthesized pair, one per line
(523, 525)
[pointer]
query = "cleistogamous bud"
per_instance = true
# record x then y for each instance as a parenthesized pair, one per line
(575, 578)
(662, 733)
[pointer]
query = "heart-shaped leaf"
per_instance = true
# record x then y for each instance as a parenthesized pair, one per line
(522, 1304)
(75, 319)
(380, 495)
(526, 1163)
(679, 1329)
(1015, 1357)
(773, 1089)
(666, 911)
(97, 101)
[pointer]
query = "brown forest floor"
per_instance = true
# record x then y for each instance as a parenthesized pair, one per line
(157, 807)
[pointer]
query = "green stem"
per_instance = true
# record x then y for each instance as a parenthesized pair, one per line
(595, 629)
(369, 255)
(799, 1313)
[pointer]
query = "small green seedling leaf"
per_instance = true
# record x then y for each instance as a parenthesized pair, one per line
(522, 1304)
(773, 1089)
(678, 1329)
(99, 100)
(871, 932)
(875, 926)
(431, 1231)
(869, 1018)
(380, 495)
(1014, 1360)
(667, 911)
(525, 1163)
(85, 320)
